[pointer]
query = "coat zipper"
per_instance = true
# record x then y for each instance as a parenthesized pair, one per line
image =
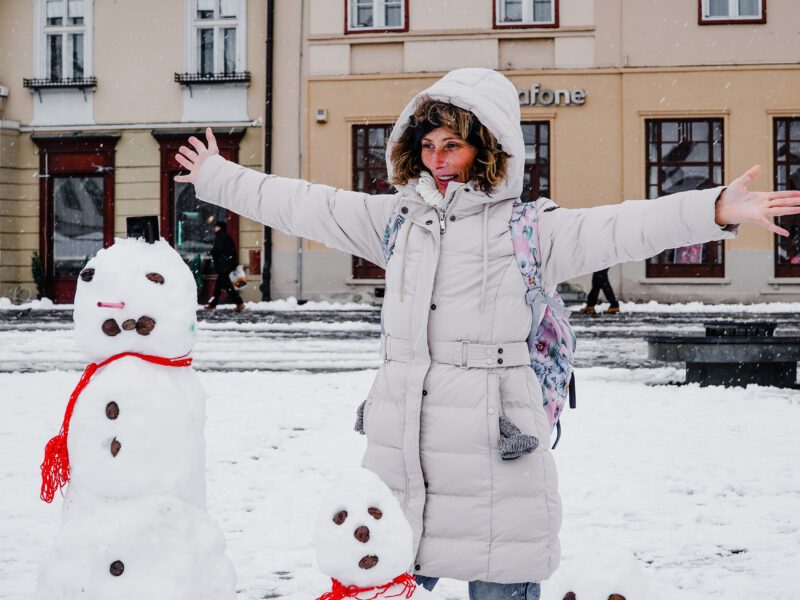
(443, 213)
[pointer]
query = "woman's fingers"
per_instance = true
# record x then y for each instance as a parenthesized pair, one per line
(782, 211)
(190, 154)
(212, 141)
(198, 145)
(184, 162)
(748, 176)
(767, 224)
(789, 198)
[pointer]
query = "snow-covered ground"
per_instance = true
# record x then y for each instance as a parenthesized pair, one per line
(702, 484)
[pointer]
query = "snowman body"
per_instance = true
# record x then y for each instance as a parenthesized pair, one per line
(364, 542)
(134, 520)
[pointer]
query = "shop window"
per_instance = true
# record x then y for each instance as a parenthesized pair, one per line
(76, 200)
(714, 12)
(370, 177)
(536, 183)
(685, 155)
(376, 15)
(186, 222)
(525, 13)
(786, 136)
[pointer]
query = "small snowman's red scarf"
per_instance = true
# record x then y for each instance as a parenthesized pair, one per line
(55, 468)
(351, 591)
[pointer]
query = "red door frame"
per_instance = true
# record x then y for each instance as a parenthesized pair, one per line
(169, 141)
(82, 154)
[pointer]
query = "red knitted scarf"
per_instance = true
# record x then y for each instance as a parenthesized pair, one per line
(55, 468)
(351, 591)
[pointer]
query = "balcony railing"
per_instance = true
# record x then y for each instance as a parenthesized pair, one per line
(68, 82)
(193, 78)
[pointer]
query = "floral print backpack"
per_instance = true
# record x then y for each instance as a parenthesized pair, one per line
(551, 341)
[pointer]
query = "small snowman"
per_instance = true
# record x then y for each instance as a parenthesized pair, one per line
(364, 543)
(131, 447)
(598, 572)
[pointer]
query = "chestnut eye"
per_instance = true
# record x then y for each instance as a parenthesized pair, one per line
(375, 512)
(339, 517)
(87, 274)
(156, 278)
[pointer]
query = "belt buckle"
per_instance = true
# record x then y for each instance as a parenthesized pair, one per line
(464, 354)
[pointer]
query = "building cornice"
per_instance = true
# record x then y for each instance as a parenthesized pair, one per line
(571, 72)
(138, 126)
(450, 34)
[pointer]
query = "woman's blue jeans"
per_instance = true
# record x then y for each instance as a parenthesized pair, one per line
(485, 590)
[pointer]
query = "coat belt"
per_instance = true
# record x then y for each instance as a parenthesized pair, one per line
(469, 355)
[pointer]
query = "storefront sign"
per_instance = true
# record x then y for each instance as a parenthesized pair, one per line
(544, 97)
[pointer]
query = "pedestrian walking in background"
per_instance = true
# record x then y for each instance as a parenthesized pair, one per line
(224, 255)
(600, 282)
(455, 317)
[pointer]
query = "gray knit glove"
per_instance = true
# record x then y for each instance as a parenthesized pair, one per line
(359, 426)
(512, 442)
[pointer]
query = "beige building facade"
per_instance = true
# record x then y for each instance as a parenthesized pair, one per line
(98, 97)
(619, 99)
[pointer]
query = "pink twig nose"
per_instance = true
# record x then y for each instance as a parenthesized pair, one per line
(111, 304)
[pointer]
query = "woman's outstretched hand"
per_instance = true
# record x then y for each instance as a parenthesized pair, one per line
(192, 159)
(738, 205)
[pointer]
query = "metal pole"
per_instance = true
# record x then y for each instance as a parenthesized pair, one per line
(300, 144)
(266, 250)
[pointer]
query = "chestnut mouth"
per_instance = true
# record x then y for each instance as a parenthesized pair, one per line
(368, 562)
(143, 326)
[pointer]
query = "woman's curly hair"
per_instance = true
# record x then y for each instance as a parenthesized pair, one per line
(489, 167)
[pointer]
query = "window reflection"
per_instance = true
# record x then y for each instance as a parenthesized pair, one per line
(194, 225)
(78, 222)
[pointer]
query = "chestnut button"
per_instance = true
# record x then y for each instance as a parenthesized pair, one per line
(404, 210)
(115, 447)
(116, 568)
(112, 410)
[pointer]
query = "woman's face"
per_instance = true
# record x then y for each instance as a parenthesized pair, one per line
(447, 156)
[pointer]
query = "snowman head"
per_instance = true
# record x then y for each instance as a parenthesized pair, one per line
(362, 537)
(135, 297)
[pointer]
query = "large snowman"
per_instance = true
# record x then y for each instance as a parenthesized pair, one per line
(134, 521)
(363, 541)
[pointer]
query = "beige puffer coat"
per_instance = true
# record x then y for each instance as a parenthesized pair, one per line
(455, 324)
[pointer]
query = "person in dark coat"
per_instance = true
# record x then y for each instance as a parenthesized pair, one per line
(223, 253)
(600, 282)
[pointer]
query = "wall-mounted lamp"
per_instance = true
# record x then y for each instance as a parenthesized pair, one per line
(3, 97)
(322, 115)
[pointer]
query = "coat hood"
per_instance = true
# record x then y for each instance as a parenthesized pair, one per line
(493, 99)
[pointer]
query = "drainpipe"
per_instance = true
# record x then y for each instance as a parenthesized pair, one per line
(300, 147)
(266, 250)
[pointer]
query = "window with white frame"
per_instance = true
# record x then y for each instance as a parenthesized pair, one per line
(217, 37)
(64, 39)
(382, 15)
(526, 13)
(744, 11)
